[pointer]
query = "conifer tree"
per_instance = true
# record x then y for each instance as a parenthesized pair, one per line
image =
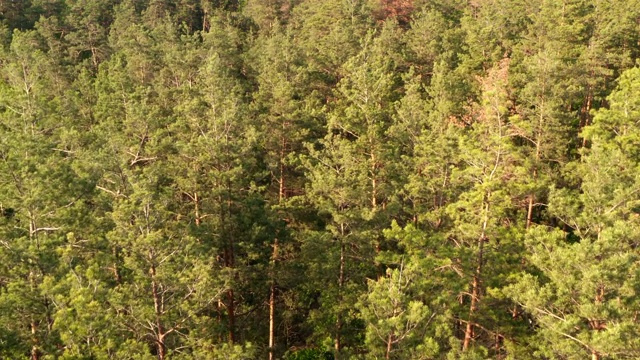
(396, 317)
(42, 194)
(351, 180)
(285, 107)
(582, 295)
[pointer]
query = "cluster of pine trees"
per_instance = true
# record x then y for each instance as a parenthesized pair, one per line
(306, 179)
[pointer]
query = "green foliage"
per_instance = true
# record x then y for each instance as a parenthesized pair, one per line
(309, 354)
(394, 319)
(298, 179)
(585, 297)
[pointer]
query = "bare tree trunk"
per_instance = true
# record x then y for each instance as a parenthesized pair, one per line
(158, 306)
(338, 344)
(35, 352)
(94, 57)
(374, 183)
(162, 350)
(232, 316)
(219, 312)
(116, 272)
(229, 262)
(282, 187)
(231, 309)
(205, 21)
(274, 257)
(530, 210)
(586, 117)
(226, 214)
(532, 198)
(477, 279)
(389, 345)
(469, 331)
(197, 208)
(272, 302)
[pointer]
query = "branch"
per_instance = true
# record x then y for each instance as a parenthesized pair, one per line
(116, 194)
(141, 160)
(621, 201)
(44, 229)
(485, 329)
(547, 313)
(64, 151)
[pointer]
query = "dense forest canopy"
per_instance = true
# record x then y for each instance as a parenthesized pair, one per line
(320, 179)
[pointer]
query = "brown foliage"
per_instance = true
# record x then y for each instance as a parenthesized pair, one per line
(399, 9)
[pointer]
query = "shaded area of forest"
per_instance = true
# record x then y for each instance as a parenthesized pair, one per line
(335, 179)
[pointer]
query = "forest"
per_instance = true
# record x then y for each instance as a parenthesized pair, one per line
(320, 179)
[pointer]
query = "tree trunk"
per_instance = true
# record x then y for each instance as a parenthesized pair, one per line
(205, 21)
(272, 301)
(532, 196)
(35, 352)
(469, 331)
(229, 262)
(338, 344)
(232, 316)
(389, 345)
(274, 257)
(283, 152)
(272, 306)
(226, 214)
(162, 350)
(197, 208)
(231, 310)
(219, 312)
(585, 121)
(374, 183)
(477, 279)
(439, 198)
(116, 272)
(530, 211)
(158, 307)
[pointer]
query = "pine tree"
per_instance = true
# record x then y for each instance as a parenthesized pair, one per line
(583, 295)
(285, 108)
(327, 32)
(396, 317)
(42, 194)
(219, 174)
(352, 179)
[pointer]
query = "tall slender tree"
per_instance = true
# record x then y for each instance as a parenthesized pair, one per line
(583, 297)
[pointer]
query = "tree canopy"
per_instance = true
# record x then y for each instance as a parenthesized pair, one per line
(337, 179)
